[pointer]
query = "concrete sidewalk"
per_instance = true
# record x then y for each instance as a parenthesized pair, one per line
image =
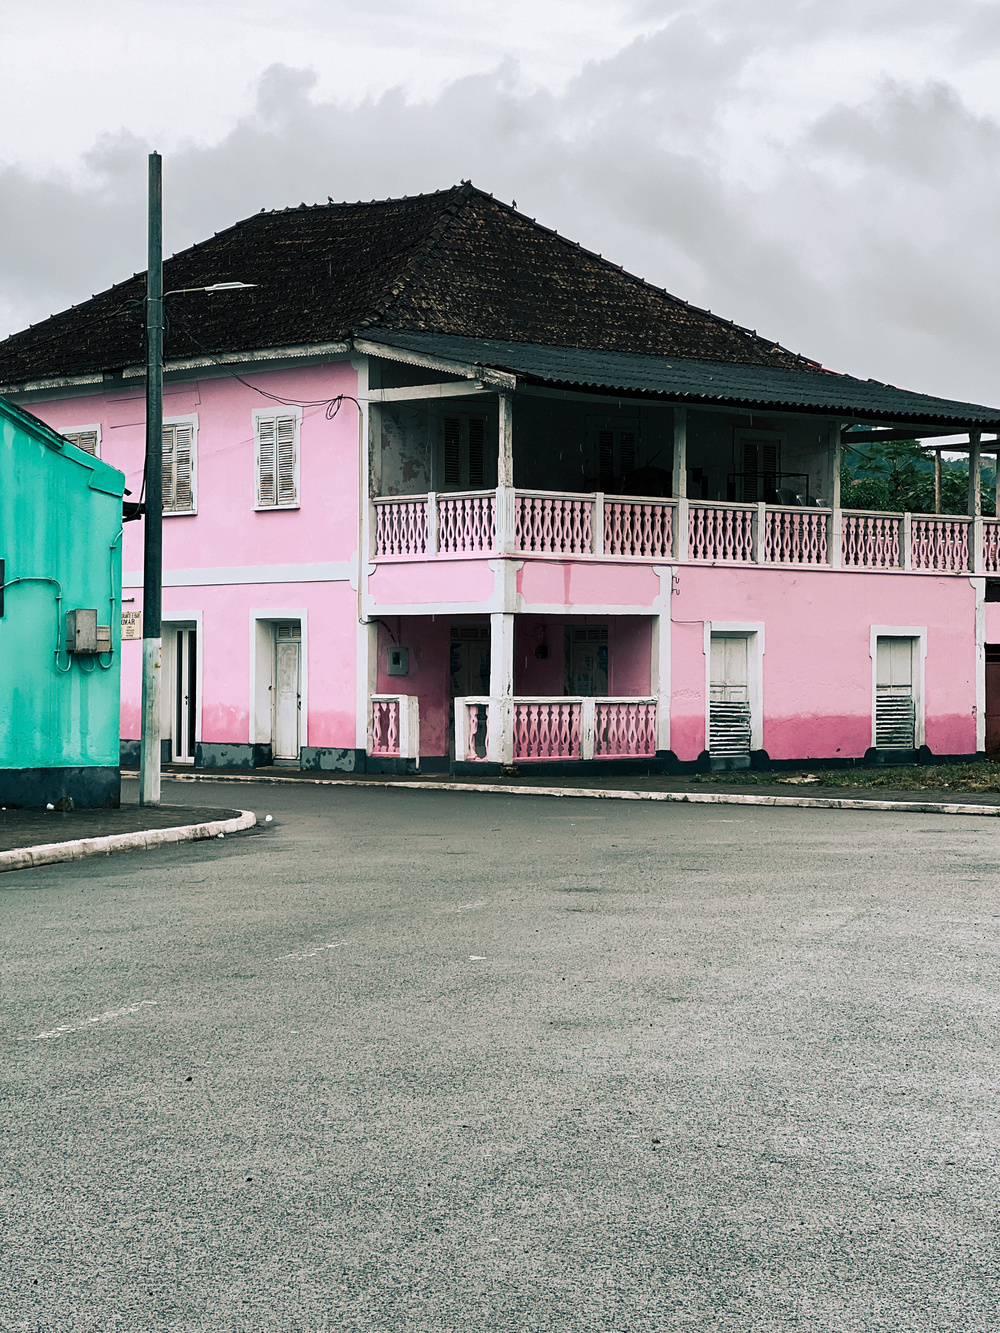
(626, 788)
(42, 837)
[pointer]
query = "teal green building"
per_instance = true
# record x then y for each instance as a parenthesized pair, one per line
(60, 618)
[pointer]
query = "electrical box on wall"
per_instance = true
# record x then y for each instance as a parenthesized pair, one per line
(84, 635)
(399, 662)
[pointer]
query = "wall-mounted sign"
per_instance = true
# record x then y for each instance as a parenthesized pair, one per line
(131, 625)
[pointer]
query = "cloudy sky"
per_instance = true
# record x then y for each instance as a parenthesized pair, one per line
(825, 171)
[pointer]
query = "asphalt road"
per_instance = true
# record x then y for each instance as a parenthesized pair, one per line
(441, 1061)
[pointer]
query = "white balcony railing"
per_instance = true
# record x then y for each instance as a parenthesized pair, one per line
(509, 522)
(553, 728)
(394, 726)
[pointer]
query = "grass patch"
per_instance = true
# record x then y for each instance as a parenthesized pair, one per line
(983, 776)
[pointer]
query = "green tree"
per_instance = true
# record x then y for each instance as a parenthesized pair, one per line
(898, 476)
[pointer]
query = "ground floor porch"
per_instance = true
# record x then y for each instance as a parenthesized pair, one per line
(727, 669)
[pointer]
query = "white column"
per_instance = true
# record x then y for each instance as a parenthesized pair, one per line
(597, 525)
(679, 484)
(906, 541)
(588, 726)
(975, 504)
(975, 479)
(660, 664)
(432, 523)
(758, 532)
(505, 474)
(835, 531)
(502, 687)
(367, 679)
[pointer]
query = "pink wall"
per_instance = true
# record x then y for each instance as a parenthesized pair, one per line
(428, 641)
(227, 530)
(817, 667)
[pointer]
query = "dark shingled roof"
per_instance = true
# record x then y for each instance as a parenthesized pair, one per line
(456, 262)
(686, 380)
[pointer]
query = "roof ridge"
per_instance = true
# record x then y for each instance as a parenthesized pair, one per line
(457, 197)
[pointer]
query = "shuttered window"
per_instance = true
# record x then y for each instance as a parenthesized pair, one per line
(761, 465)
(729, 696)
(277, 461)
(178, 468)
(84, 439)
(616, 450)
(895, 711)
(465, 452)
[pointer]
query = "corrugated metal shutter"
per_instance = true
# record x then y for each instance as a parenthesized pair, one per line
(728, 727)
(894, 721)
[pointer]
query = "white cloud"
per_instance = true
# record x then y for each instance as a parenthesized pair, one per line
(851, 215)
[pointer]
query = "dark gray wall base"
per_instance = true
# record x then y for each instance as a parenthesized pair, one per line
(331, 760)
(214, 754)
(97, 788)
(130, 753)
(397, 767)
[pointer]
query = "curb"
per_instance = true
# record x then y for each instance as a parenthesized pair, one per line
(603, 794)
(22, 858)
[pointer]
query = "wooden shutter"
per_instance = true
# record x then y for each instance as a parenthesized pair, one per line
(627, 453)
(477, 435)
(267, 470)
(895, 715)
(84, 439)
(287, 487)
(178, 468)
(606, 454)
(452, 451)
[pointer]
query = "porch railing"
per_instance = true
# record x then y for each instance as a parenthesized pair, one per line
(525, 522)
(558, 727)
(394, 726)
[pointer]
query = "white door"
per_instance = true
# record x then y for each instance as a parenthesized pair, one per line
(729, 695)
(287, 669)
(895, 715)
(185, 695)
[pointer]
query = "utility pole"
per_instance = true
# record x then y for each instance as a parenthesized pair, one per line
(152, 568)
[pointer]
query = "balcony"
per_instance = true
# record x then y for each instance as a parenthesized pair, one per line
(598, 526)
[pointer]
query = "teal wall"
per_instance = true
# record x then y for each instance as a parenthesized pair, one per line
(60, 517)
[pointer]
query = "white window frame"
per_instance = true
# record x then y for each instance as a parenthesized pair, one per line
(84, 430)
(271, 414)
(191, 421)
(753, 631)
(918, 632)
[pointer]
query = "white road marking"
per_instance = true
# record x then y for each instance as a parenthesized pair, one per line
(311, 953)
(101, 1018)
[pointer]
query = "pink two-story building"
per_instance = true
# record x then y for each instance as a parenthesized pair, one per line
(443, 489)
